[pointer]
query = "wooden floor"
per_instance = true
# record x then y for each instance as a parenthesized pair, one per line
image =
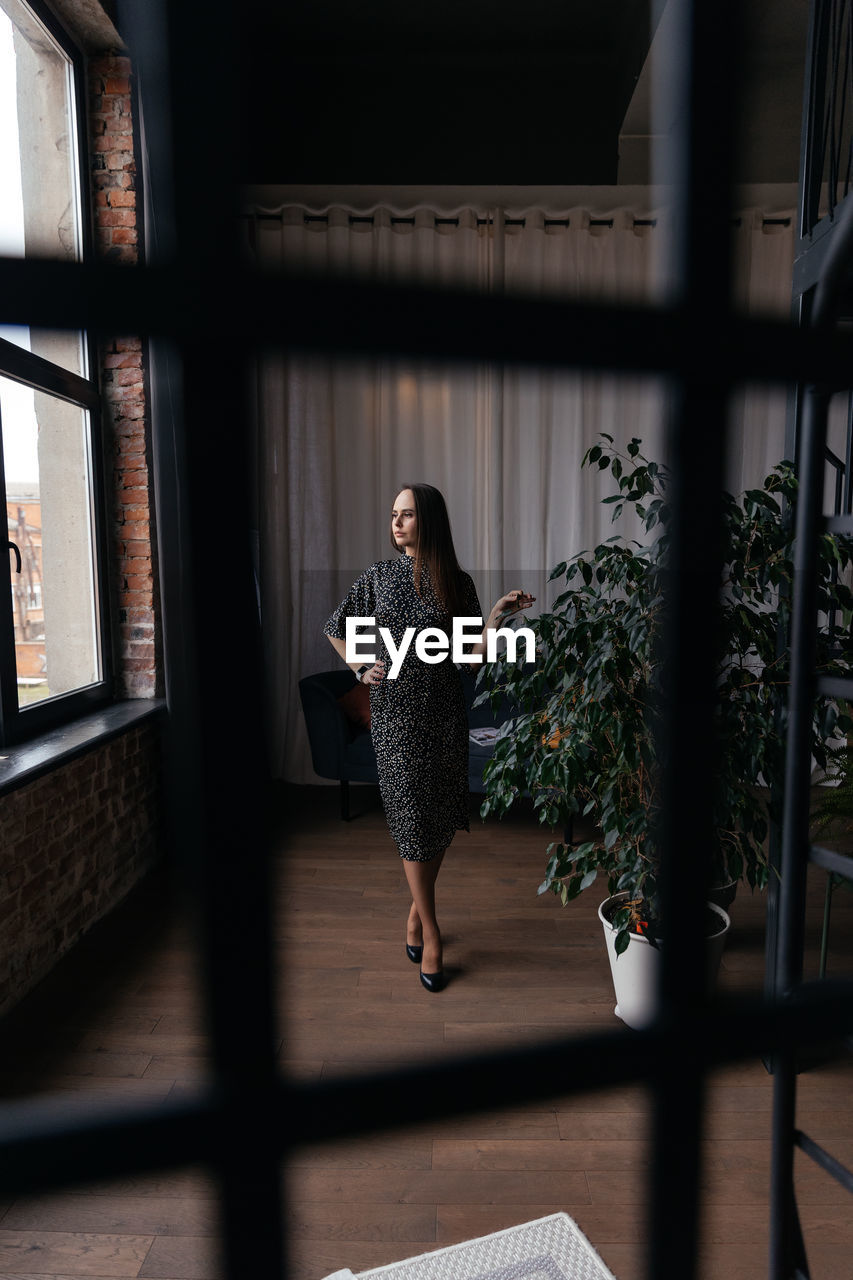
(120, 1019)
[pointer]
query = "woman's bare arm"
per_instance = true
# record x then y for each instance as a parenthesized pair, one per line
(370, 677)
(512, 602)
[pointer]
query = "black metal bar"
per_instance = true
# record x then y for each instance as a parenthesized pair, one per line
(838, 467)
(263, 215)
(834, 123)
(820, 267)
(833, 281)
(839, 864)
(45, 1142)
(107, 1141)
(227, 792)
(824, 932)
(734, 1031)
(786, 1247)
(812, 116)
(795, 842)
(829, 155)
(800, 312)
(785, 1239)
(698, 163)
(308, 312)
(22, 366)
(848, 87)
(847, 500)
(8, 655)
(827, 1162)
(838, 498)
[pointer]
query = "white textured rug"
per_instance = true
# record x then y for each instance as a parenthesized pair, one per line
(552, 1248)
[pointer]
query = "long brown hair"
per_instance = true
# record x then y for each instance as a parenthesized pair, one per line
(435, 547)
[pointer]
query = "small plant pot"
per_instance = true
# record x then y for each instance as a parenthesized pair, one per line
(636, 972)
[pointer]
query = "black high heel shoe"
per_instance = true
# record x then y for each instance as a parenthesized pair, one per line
(414, 953)
(433, 981)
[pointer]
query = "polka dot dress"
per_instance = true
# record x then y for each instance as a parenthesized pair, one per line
(418, 722)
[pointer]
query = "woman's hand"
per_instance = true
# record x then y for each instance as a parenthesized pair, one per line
(375, 674)
(512, 602)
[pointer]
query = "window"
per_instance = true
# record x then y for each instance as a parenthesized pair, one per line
(53, 623)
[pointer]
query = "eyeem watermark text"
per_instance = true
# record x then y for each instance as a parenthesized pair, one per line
(432, 644)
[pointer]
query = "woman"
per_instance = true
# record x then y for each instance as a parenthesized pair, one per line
(418, 721)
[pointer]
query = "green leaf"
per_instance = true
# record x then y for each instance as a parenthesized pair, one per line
(621, 942)
(828, 718)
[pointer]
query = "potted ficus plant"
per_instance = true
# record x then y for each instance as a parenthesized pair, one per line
(584, 738)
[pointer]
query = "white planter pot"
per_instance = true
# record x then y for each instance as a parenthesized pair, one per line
(635, 972)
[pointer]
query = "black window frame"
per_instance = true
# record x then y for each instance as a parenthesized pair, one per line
(247, 1120)
(19, 724)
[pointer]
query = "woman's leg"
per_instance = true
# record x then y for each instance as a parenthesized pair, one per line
(414, 928)
(421, 877)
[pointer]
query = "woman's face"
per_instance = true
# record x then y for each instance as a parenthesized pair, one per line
(404, 522)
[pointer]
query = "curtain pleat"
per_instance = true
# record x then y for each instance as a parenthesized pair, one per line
(338, 439)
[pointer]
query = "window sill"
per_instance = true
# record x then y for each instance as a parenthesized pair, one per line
(26, 761)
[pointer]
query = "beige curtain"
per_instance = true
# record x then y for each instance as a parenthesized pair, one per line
(338, 438)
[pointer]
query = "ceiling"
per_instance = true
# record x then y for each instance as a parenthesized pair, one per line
(486, 91)
(470, 92)
(450, 92)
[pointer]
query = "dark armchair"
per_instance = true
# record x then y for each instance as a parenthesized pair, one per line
(343, 750)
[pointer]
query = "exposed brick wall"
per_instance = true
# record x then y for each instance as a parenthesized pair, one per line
(113, 157)
(133, 554)
(72, 845)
